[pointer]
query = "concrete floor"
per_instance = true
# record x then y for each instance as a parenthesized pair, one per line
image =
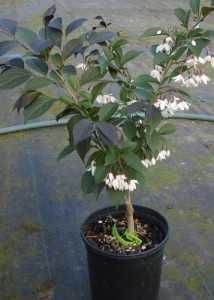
(41, 206)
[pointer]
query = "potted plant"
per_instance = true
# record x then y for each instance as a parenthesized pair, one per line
(117, 124)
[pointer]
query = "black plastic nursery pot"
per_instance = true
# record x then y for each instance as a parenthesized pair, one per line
(116, 276)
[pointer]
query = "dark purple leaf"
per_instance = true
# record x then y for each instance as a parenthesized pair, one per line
(56, 24)
(82, 131)
(135, 107)
(25, 99)
(8, 26)
(151, 111)
(109, 134)
(49, 14)
(52, 34)
(69, 69)
(40, 44)
(74, 25)
(15, 62)
(6, 46)
(94, 37)
(83, 147)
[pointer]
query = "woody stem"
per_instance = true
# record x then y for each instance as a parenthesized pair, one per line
(129, 214)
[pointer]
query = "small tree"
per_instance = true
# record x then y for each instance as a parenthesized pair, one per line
(115, 118)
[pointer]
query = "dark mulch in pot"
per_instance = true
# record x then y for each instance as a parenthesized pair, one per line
(99, 233)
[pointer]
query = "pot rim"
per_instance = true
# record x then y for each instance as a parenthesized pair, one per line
(147, 211)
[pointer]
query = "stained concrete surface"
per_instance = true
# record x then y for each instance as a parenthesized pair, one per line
(41, 205)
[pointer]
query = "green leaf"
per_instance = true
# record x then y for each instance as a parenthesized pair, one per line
(183, 15)
(129, 129)
(38, 107)
(208, 33)
(107, 111)
(153, 140)
(129, 56)
(197, 32)
(206, 11)
(37, 65)
(116, 196)
(56, 59)
(133, 161)
(73, 82)
(153, 31)
(98, 189)
(67, 99)
(98, 88)
(197, 49)
(85, 95)
(13, 78)
(26, 35)
(37, 83)
(144, 78)
(108, 53)
(67, 150)
(100, 173)
(144, 94)
(110, 159)
(71, 47)
(6, 46)
(103, 63)
(195, 6)
(180, 14)
(160, 58)
(56, 77)
(87, 183)
(92, 74)
(167, 129)
(119, 43)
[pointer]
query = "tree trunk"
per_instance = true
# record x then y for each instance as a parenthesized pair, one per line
(130, 214)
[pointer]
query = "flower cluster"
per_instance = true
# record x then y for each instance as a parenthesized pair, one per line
(169, 107)
(163, 154)
(165, 45)
(120, 182)
(195, 75)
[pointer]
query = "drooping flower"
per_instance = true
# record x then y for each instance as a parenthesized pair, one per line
(179, 79)
(192, 62)
(92, 167)
(204, 79)
(190, 82)
(183, 105)
(157, 72)
(104, 99)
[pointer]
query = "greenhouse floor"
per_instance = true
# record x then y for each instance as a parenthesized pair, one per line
(41, 204)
